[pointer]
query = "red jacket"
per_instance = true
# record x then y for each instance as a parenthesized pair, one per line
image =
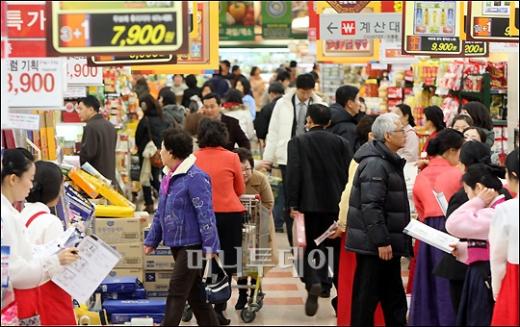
(440, 176)
(227, 181)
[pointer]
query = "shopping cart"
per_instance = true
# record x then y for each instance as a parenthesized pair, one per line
(256, 252)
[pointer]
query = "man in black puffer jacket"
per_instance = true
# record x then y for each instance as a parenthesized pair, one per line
(346, 115)
(378, 213)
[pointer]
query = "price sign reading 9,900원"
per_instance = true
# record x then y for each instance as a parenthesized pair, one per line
(35, 83)
(117, 27)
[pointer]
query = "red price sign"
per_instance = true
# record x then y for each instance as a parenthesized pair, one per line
(79, 73)
(35, 83)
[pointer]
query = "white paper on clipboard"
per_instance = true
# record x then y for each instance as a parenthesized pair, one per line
(430, 235)
(441, 201)
(82, 278)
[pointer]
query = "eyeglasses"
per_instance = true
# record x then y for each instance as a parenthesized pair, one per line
(246, 169)
(399, 131)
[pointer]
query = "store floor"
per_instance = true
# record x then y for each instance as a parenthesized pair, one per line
(284, 300)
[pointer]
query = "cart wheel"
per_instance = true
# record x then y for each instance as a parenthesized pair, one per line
(247, 315)
(187, 314)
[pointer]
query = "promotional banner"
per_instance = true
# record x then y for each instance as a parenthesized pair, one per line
(492, 21)
(433, 28)
(25, 24)
(237, 21)
(35, 78)
(117, 27)
(276, 19)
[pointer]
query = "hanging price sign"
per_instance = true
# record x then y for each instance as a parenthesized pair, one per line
(433, 28)
(492, 21)
(79, 73)
(133, 59)
(35, 82)
(117, 27)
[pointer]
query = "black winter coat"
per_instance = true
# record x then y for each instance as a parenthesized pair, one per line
(344, 125)
(157, 127)
(317, 171)
(378, 206)
(263, 118)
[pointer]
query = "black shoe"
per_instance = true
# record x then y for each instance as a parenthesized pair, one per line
(311, 304)
(334, 303)
(242, 300)
(223, 321)
(279, 230)
(325, 294)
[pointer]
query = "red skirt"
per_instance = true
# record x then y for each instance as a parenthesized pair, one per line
(55, 306)
(347, 268)
(411, 268)
(27, 302)
(506, 306)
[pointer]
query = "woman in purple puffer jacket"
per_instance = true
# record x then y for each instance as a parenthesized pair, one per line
(185, 222)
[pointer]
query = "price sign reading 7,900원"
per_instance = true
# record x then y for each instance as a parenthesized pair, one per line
(118, 27)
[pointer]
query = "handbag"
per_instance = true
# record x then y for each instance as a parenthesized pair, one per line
(155, 159)
(219, 291)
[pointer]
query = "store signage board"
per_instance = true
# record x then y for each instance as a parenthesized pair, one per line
(360, 26)
(134, 59)
(25, 24)
(203, 49)
(491, 21)
(28, 122)
(79, 73)
(117, 27)
(391, 53)
(514, 20)
(35, 83)
(276, 19)
(433, 28)
(74, 92)
(345, 51)
(237, 21)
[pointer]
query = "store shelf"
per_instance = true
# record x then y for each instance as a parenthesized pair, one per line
(498, 92)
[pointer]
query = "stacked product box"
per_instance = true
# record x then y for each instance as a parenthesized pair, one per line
(158, 268)
(125, 235)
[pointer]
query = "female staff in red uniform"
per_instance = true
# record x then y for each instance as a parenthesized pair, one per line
(55, 305)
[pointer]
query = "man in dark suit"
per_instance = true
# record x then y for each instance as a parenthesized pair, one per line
(98, 144)
(317, 166)
(211, 109)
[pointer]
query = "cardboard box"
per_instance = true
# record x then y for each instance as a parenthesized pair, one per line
(132, 255)
(157, 282)
(128, 272)
(158, 262)
(120, 230)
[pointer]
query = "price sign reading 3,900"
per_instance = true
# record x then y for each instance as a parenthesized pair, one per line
(123, 27)
(30, 79)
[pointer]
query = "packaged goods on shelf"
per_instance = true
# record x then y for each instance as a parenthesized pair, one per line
(119, 285)
(112, 211)
(121, 318)
(132, 254)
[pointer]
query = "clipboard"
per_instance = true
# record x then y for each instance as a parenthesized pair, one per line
(81, 278)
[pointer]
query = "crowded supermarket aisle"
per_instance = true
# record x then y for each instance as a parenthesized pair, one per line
(260, 162)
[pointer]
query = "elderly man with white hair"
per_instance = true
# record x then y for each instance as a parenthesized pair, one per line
(378, 213)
